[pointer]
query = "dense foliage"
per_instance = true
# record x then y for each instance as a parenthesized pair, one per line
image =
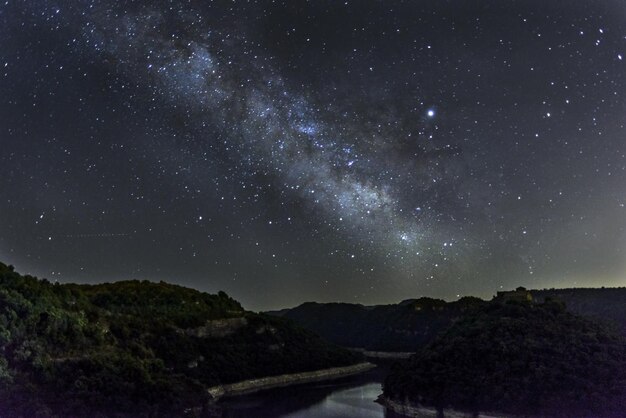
(606, 304)
(401, 327)
(415, 322)
(518, 358)
(136, 348)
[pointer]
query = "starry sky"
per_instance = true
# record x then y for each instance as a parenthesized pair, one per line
(287, 151)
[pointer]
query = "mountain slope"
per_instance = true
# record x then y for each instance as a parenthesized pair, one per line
(412, 323)
(521, 359)
(607, 304)
(401, 327)
(136, 348)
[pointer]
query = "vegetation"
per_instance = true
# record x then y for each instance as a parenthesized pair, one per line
(401, 327)
(605, 304)
(518, 358)
(136, 348)
(413, 323)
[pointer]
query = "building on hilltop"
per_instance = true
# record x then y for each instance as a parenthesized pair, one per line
(519, 295)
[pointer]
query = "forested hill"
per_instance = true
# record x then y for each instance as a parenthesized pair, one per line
(400, 327)
(600, 303)
(412, 323)
(518, 358)
(136, 348)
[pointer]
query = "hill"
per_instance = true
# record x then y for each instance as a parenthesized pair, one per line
(400, 327)
(520, 359)
(606, 304)
(136, 348)
(412, 323)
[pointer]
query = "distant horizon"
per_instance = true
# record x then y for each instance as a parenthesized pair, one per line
(296, 304)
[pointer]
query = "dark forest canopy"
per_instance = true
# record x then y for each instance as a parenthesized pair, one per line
(606, 303)
(518, 358)
(136, 347)
(412, 323)
(400, 327)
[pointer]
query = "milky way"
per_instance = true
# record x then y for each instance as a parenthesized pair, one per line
(315, 150)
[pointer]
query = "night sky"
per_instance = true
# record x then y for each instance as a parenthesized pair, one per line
(286, 151)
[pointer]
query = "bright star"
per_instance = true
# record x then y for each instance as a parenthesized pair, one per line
(431, 113)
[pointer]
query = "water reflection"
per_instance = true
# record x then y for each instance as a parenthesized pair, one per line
(351, 397)
(353, 402)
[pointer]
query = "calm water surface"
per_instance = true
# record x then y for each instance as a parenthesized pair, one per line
(351, 397)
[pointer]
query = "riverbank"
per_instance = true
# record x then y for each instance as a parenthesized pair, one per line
(271, 382)
(383, 355)
(411, 410)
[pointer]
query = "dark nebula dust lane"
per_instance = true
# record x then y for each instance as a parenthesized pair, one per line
(315, 150)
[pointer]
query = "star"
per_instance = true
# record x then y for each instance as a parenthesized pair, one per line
(269, 129)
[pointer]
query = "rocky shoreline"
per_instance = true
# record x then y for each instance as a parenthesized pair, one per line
(263, 383)
(411, 410)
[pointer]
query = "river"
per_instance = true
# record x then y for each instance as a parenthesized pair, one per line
(349, 397)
